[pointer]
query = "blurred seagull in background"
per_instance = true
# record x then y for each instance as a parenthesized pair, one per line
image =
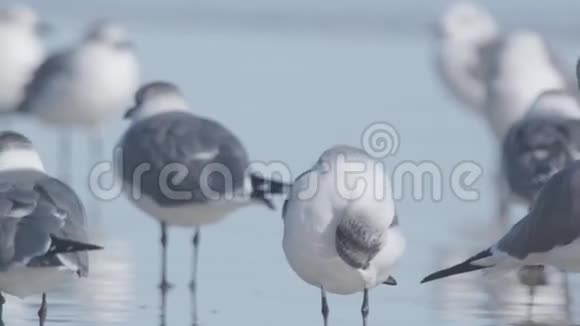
(462, 32)
(548, 235)
(524, 66)
(537, 147)
(84, 86)
(545, 141)
(43, 235)
(489, 70)
(185, 170)
(339, 236)
(21, 52)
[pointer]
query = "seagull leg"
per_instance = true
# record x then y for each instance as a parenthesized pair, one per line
(365, 307)
(65, 159)
(164, 285)
(42, 311)
(163, 308)
(193, 283)
(532, 293)
(325, 309)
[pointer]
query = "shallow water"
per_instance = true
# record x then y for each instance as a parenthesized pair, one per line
(292, 78)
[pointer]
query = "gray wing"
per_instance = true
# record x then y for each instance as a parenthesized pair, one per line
(197, 145)
(554, 220)
(14, 205)
(535, 149)
(29, 219)
(63, 203)
(358, 240)
(57, 64)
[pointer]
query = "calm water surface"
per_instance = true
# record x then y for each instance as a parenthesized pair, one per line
(291, 79)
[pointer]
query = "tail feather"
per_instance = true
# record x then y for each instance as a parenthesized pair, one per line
(263, 188)
(64, 246)
(469, 265)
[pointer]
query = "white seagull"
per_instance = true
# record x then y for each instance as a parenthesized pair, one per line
(85, 85)
(462, 32)
(341, 232)
(43, 236)
(548, 235)
(523, 67)
(185, 170)
(21, 52)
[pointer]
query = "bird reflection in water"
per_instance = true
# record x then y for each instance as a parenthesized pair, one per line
(505, 299)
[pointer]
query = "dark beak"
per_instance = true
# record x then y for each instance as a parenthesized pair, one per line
(390, 281)
(129, 112)
(44, 29)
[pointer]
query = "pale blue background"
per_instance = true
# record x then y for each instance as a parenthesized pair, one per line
(291, 78)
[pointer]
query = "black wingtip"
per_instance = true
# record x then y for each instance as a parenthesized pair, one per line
(268, 186)
(390, 281)
(64, 246)
(263, 188)
(465, 267)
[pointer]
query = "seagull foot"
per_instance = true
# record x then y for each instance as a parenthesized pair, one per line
(165, 286)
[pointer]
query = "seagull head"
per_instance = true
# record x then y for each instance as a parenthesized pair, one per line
(156, 98)
(467, 22)
(21, 16)
(542, 148)
(356, 177)
(110, 34)
(17, 152)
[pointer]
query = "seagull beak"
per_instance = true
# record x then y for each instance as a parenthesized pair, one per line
(130, 112)
(390, 281)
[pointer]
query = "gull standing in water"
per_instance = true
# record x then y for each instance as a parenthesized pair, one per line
(43, 235)
(513, 87)
(185, 170)
(85, 85)
(341, 232)
(21, 52)
(462, 32)
(548, 235)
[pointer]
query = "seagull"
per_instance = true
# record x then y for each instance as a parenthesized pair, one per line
(545, 141)
(523, 66)
(462, 32)
(44, 240)
(85, 85)
(183, 169)
(341, 232)
(21, 52)
(549, 235)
